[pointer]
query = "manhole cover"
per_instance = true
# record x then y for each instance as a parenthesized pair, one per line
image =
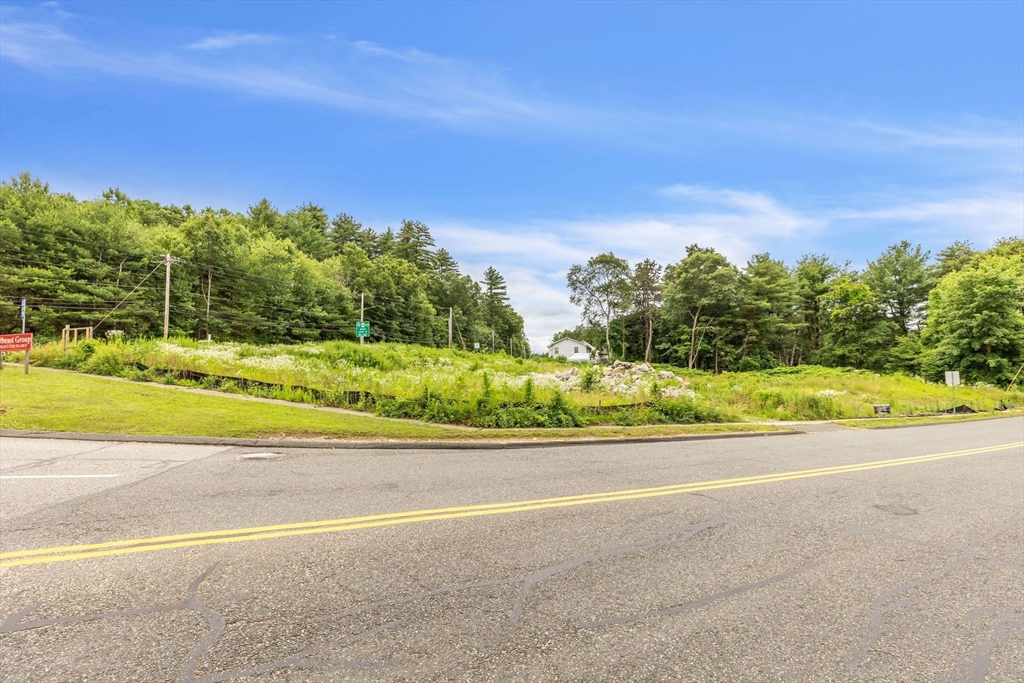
(261, 456)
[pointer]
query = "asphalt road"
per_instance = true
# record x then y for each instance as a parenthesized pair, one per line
(772, 559)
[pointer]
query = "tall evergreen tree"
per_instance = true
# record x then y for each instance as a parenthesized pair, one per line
(900, 279)
(956, 256)
(414, 243)
(815, 275)
(263, 216)
(768, 308)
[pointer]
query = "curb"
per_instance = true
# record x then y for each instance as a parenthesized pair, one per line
(377, 445)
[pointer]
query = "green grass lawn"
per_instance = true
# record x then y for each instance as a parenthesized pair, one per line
(72, 402)
(883, 422)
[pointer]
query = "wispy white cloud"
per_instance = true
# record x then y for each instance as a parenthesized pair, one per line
(407, 83)
(409, 54)
(363, 77)
(55, 9)
(945, 137)
(540, 243)
(223, 41)
(985, 214)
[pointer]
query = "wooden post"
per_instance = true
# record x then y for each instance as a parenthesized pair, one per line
(88, 332)
(26, 360)
(64, 338)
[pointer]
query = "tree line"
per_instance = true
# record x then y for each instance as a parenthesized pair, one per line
(905, 312)
(264, 276)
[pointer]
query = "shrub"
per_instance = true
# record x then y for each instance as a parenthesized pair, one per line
(483, 403)
(528, 390)
(561, 414)
(104, 360)
(590, 380)
(136, 375)
(396, 407)
(768, 399)
(685, 411)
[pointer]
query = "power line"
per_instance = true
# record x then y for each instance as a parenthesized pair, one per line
(132, 292)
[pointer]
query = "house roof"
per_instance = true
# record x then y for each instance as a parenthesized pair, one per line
(569, 339)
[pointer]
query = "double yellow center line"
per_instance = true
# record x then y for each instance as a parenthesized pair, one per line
(142, 545)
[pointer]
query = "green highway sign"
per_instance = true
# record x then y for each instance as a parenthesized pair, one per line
(363, 328)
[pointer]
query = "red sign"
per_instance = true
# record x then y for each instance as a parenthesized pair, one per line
(15, 342)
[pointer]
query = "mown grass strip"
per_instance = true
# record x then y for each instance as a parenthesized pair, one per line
(887, 422)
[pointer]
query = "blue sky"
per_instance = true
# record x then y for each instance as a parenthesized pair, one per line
(532, 136)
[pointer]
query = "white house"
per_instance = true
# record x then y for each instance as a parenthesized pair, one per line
(572, 349)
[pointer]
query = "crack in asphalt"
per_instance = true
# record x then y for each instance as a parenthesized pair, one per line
(671, 536)
(980, 658)
(216, 624)
(706, 600)
(302, 660)
(891, 600)
(42, 462)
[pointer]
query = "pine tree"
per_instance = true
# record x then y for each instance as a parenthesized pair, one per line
(901, 280)
(414, 244)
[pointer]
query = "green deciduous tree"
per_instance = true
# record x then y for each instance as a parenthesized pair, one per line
(699, 290)
(601, 287)
(856, 331)
(645, 287)
(976, 321)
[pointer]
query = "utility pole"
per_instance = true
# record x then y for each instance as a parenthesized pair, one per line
(29, 349)
(167, 294)
(450, 310)
(362, 301)
(168, 260)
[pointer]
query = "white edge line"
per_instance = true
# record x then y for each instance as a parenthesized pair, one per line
(57, 476)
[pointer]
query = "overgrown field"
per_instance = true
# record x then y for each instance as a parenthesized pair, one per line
(495, 390)
(73, 402)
